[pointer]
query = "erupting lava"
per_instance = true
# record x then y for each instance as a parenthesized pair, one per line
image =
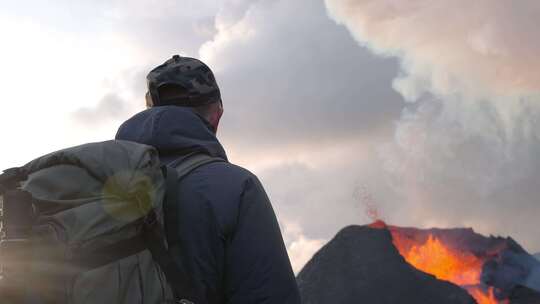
(482, 298)
(433, 257)
(445, 263)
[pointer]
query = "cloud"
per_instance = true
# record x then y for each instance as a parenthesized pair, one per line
(164, 28)
(299, 247)
(464, 150)
(289, 75)
(123, 97)
(158, 28)
(487, 48)
(111, 107)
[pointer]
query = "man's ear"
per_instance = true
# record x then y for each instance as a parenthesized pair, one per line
(149, 102)
(215, 117)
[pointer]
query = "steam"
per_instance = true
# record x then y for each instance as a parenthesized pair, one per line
(483, 48)
(465, 149)
(299, 247)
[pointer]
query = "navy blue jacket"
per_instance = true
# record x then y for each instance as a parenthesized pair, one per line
(227, 235)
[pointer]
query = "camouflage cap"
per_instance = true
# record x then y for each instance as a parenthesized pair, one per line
(193, 81)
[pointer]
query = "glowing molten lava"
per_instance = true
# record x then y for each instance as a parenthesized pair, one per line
(484, 298)
(434, 257)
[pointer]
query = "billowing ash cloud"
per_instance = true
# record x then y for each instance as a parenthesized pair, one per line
(286, 62)
(485, 47)
(466, 149)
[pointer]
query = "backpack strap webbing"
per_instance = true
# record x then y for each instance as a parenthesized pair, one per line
(180, 281)
(192, 162)
(170, 206)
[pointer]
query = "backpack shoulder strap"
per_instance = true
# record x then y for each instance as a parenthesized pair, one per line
(194, 161)
(174, 175)
(179, 279)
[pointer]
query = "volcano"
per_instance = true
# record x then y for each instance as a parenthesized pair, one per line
(388, 264)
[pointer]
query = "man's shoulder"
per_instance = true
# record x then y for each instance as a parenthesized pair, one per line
(225, 172)
(222, 177)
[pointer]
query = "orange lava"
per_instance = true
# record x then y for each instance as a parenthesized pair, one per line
(482, 297)
(434, 257)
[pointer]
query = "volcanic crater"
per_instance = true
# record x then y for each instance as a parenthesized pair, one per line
(386, 264)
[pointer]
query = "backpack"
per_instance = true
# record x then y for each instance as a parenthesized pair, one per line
(85, 225)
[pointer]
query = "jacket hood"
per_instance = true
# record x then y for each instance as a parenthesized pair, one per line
(174, 131)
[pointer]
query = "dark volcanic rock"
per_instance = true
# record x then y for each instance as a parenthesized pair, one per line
(512, 268)
(524, 295)
(361, 265)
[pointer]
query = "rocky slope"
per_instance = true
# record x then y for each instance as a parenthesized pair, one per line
(361, 265)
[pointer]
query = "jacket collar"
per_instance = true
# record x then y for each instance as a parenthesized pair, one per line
(174, 131)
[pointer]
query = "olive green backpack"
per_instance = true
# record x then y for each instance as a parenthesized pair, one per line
(85, 225)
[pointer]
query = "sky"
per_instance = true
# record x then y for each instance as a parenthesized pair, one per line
(421, 113)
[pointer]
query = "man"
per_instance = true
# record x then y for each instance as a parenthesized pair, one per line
(223, 230)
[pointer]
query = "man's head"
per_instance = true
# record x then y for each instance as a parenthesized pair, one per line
(185, 82)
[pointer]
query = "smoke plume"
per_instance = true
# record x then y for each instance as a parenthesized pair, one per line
(481, 48)
(465, 149)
